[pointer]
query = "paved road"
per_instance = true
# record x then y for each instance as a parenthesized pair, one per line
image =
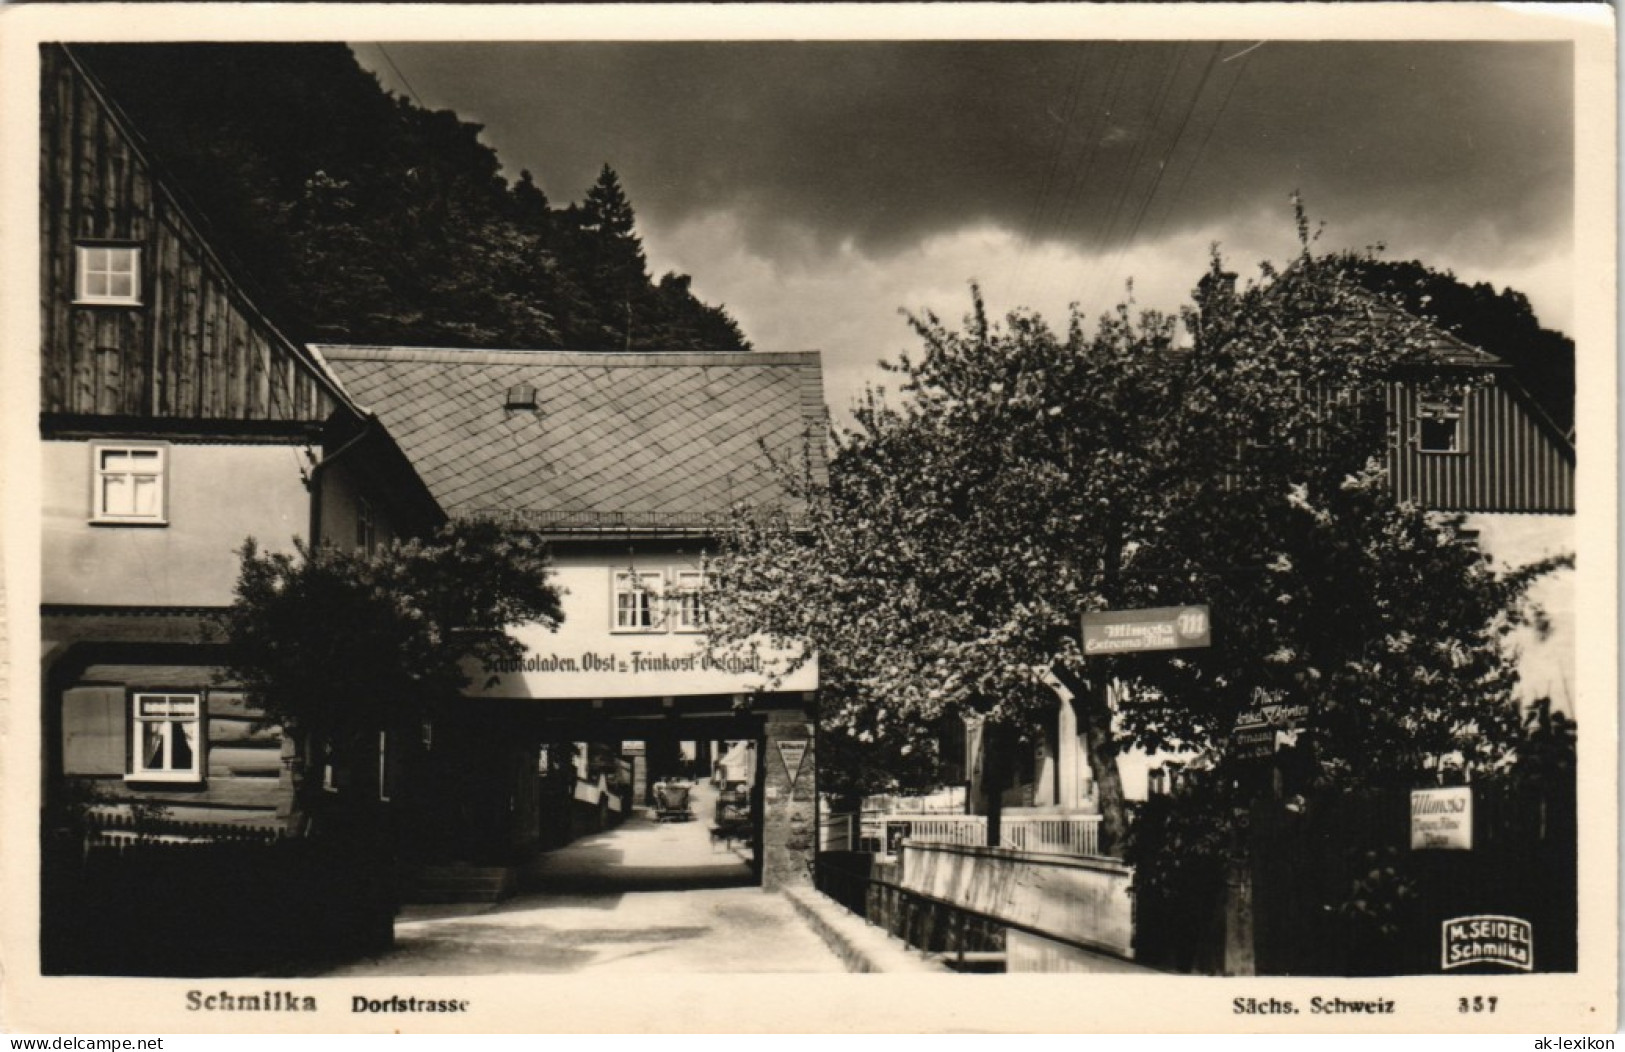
(645, 897)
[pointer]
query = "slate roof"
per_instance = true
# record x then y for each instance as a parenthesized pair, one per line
(650, 441)
(1444, 347)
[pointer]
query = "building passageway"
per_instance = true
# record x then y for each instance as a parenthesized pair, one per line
(642, 854)
(646, 896)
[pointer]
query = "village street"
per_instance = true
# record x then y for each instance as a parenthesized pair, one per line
(643, 897)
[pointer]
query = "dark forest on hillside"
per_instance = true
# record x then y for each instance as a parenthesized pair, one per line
(361, 217)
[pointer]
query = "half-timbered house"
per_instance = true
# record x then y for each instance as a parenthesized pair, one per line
(176, 421)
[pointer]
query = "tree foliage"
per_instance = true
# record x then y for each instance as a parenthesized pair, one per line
(1228, 455)
(339, 644)
(365, 218)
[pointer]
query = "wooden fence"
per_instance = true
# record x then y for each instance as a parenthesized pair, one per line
(1052, 835)
(1335, 888)
(114, 829)
(177, 907)
(1075, 835)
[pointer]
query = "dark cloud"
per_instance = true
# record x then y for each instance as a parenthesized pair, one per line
(883, 144)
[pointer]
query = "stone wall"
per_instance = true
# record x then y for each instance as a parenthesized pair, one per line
(1084, 900)
(789, 810)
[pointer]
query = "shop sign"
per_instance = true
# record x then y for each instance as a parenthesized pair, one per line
(1488, 939)
(1252, 743)
(792, 753)
(1278, 715)
(1155, 628)
(1261, 731)
(1442, 818)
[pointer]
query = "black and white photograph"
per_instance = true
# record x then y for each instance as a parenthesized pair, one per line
(545, 520)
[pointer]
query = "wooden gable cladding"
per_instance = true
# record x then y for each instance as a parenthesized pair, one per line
(195, 346)
(1510, 460)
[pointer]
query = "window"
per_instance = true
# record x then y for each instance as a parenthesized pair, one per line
(166, 737)
(692, 615)
(1438, 425)
(366, 530)
(109, 274)
(637, 597)
(129, 483)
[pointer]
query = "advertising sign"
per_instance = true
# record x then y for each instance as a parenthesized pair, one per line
(588, 656)
(1262, 730)
(1442, 818)
(1488, 939)
(1155, 628)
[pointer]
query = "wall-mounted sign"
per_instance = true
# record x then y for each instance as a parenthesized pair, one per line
(1266, 728)
(1488, 939)
(792, 753)
(1442, 818)
(1251, 743)
(1156, 628)
(591, 656)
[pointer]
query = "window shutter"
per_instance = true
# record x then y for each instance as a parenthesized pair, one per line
(93, 730)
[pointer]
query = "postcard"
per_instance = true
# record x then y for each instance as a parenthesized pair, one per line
(756, 518)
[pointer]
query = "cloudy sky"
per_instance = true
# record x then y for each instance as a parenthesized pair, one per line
(817, 189)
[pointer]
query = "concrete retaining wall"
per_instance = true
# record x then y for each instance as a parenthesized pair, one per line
(1085, 900)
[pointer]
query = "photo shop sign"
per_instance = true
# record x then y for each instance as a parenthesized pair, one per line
(1266, 728)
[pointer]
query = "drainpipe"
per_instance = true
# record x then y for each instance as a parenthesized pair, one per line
(314, 483)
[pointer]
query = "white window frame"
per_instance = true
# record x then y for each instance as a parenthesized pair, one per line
(622, 584)
(172, 724)
(94, 278)
(99, 474)
(688, 601)
(1454, 409)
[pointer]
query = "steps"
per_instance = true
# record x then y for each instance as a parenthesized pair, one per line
(459, 882)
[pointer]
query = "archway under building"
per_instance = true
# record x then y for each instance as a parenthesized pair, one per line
(568, 796)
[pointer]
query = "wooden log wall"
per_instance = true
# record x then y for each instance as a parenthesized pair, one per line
(245, 780)
(195, 347)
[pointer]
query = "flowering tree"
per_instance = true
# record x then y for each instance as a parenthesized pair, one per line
(1227, 455)
(335, 645)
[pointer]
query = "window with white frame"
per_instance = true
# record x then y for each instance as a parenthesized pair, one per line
(129, 484)
(109, 274)
(692, 615)
(166, 737)
(637, 601)
(1439, 424)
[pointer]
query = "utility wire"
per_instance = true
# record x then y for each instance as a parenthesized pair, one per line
(402, 76)
(1212, 124)
(1080, 179)
(1036, 209)
(1125, 186)
(1173, 148)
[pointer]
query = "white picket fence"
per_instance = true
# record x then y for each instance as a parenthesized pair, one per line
(1077, 835)
(1052, 834)
(944, 829)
